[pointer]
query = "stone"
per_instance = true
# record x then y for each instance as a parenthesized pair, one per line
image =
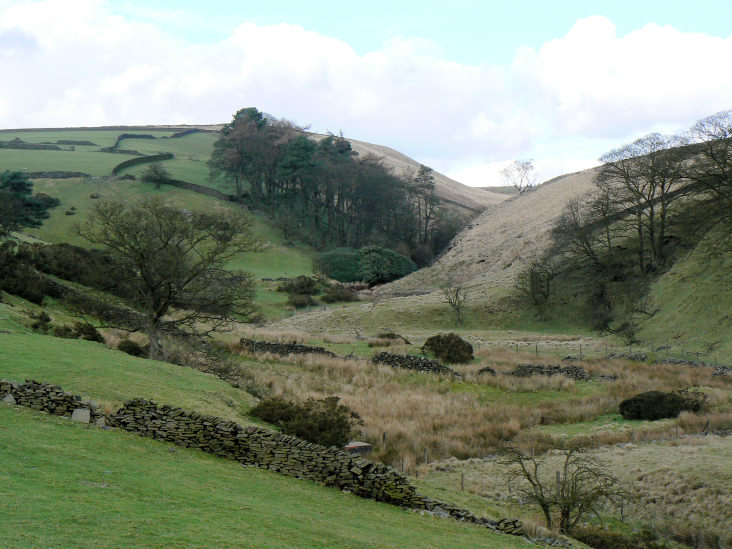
(9, 399)
(81, 415)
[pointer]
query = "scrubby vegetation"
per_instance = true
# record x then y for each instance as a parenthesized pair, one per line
(654, 405)
(449, 348)
(323, 421)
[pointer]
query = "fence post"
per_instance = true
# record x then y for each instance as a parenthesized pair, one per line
(462, 482)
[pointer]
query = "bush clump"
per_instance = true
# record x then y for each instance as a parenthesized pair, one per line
(131, 348)
(79, 330)
(320, 421)
(303, 285)
(300, 300)
(654, 405)
(449, 348)
(337, 293)
(371, 264)
(341, 264)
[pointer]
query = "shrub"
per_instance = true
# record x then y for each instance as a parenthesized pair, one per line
(131, 348)
(449, 348)
(93, 268)
(338, 293)
(341, 264)
(379, 265)
(371, 264)
(156, 174)
(276, 410)
(321, 421)
(300, 300)
(87, 332)
(654, 405)
(42, 323)
(303, 285)
(19, 278)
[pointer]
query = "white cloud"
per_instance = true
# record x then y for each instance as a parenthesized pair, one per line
(76, 63)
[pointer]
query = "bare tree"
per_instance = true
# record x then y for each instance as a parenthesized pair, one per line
(712, 169)
(178, 263)
(455, 295)
(579, 487)
(520, 174)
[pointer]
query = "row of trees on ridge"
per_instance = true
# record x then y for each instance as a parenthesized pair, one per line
(323, 192)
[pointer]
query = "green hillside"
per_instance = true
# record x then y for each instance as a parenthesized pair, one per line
(66, 485)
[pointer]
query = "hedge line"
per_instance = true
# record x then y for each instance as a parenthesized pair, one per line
(141, 160)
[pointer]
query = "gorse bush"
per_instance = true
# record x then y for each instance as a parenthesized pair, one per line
(449, 348)
(322, 421)
(654, 405)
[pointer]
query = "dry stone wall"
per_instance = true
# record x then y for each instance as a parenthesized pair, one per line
(47, 398)
(283, 349)
(411, 362)
(253, 446)
(572, 371)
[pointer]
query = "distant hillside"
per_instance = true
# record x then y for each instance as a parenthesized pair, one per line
(472, 199)
(494, 247)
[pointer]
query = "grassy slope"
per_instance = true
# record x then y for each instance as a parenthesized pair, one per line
(92, 370)
(63, 485)
(695, 300)
(275, 260)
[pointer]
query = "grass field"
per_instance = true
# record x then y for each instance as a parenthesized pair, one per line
(67, 485)
(274, 260)
(111, 377)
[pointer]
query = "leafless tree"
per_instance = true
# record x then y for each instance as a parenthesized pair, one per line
(579, 487)
(455, 295)
(521, 175)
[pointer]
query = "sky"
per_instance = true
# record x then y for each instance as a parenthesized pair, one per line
(464, 87)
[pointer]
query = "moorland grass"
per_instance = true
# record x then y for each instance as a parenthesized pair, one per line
(66, 485)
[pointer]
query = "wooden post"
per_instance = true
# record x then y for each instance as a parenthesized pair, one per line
(580, 351)
(622, 514)
(383, 440)
(537, 350)
(462, 482)
(425, 455)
